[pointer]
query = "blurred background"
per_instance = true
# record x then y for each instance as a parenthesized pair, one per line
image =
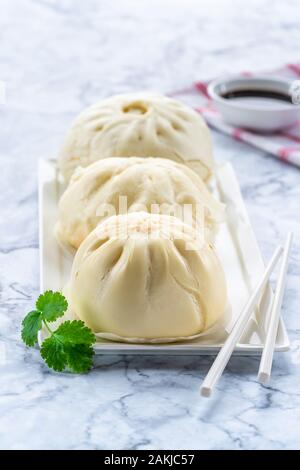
(59, 56)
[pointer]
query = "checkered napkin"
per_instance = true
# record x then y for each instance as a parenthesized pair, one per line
(284, 145)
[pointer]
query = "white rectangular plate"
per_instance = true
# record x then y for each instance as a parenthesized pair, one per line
(236, 246)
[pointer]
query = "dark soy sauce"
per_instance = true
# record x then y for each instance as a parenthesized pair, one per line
(256, 97)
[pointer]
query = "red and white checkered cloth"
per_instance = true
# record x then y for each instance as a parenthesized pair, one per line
(284, 145)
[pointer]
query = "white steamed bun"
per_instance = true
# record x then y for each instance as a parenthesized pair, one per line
(141, 124)
(101, 189)
(146, 276)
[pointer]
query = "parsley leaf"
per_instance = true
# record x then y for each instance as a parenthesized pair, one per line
(31, 325)
(75, 332)
(52, 305)
(52, 351)
(69, 346)
(80, 357)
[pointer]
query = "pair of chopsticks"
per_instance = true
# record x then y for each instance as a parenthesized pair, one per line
(225, 352)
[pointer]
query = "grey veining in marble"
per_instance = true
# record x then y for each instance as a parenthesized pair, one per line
(56, 57)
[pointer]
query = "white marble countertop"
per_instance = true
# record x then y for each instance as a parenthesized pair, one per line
(56, 57)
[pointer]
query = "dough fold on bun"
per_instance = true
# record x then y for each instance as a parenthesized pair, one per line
(141, 124)
(147, 276)
(119, 185)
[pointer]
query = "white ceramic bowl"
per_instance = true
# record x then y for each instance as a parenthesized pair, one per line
(256, 113)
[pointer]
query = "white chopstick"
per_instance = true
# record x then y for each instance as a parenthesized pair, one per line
(225, 352)
(265, 366)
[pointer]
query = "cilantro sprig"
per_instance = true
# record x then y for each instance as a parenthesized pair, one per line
(70, 345)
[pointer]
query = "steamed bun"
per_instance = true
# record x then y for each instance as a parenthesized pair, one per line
(140, 124)
(120, 185)
(146, 276)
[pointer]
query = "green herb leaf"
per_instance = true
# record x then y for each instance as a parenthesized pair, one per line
(75, 332)
(31, 325)
(52, 305)
(69, 346)
(53, 353)
(80, 357)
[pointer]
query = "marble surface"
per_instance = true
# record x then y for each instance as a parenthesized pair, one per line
(56, 57)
